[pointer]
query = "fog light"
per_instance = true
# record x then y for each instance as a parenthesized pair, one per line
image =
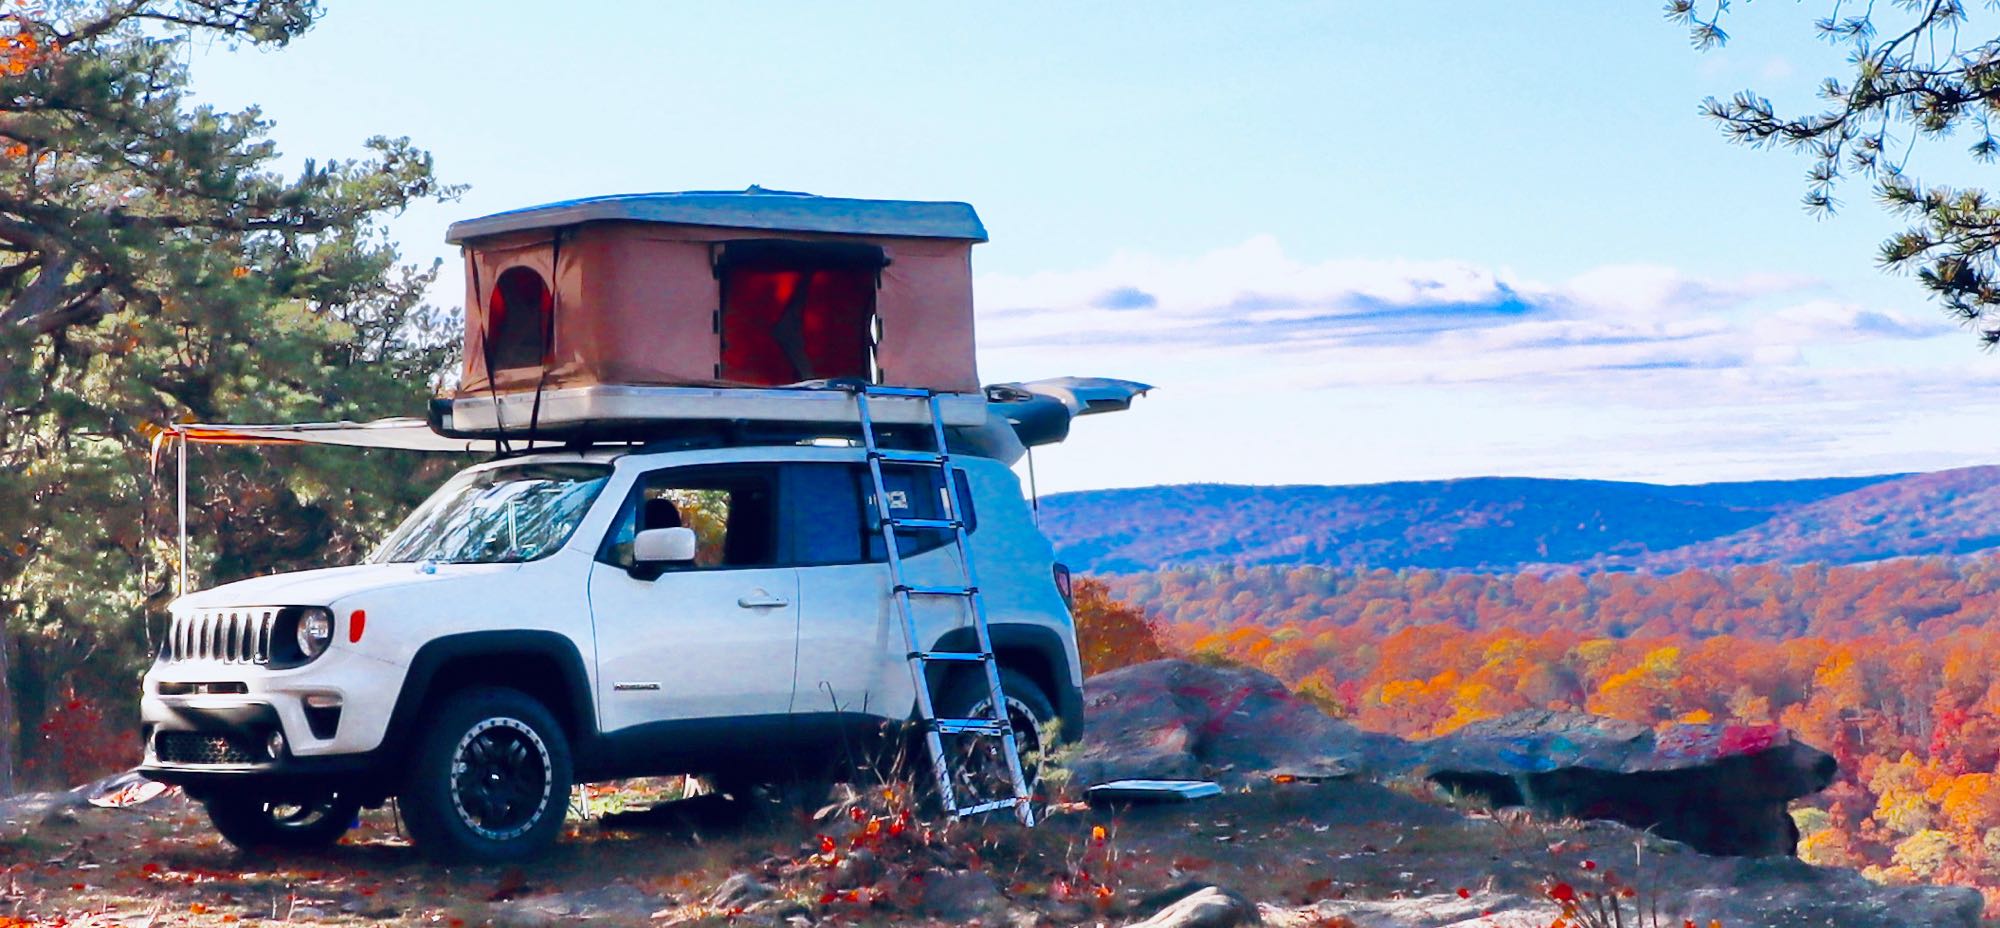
(323, 701)
(275, 745)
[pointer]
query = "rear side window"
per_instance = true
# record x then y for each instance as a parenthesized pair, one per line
(914, 493)
(823, 512)
(831, 518)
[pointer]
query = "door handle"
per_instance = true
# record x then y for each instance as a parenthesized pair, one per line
(762, 600)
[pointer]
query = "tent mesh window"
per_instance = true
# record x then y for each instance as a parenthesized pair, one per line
(520, 317)
(794, 311)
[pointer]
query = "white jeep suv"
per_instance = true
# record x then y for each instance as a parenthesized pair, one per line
(506, 643)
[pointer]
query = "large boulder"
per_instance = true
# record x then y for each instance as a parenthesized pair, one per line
(1721, 789)
(1177, 719)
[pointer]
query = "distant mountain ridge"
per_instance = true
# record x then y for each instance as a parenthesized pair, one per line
(1510, 523)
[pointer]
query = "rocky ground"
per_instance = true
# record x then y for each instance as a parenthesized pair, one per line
(1298, 840)
(1331, 853)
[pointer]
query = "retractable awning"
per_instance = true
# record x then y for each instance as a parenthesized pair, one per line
(396, 434)
(400, 434)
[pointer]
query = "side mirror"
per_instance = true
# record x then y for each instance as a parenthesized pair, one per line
(664, 546)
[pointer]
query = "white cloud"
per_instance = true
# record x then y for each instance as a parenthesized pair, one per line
(1620, 371)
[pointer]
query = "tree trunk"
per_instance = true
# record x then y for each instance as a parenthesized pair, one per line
(9, 719)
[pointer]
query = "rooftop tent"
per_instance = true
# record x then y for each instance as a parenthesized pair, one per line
(755, 288)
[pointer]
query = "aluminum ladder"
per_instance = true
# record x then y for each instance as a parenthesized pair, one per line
(995, 724)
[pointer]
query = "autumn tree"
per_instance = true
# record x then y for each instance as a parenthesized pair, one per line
(1921, 73)
(1111, 633)
(155, 266)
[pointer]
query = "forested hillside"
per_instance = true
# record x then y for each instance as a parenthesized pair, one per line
(1506, 523)
(1894, 667)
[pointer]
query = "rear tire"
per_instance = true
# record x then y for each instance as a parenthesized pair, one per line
(980, 760)
(491, 779)
(254, 822)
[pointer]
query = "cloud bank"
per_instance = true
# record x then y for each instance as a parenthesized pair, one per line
(1429, 321)
(1347, 370)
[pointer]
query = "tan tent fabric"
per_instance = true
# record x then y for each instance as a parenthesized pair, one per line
(636, 303)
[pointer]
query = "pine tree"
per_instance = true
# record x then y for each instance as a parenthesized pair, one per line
(154, 267)
(1921, 75)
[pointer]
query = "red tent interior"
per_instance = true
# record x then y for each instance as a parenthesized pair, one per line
(794, 311)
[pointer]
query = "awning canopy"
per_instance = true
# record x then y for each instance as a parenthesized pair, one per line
(401, 434)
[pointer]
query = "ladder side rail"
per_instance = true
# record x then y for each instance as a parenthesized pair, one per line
(996, 697)
(998, 721)
(892, 551)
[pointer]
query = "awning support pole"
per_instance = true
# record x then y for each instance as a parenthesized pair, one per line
(181, 498)
(1034, 492)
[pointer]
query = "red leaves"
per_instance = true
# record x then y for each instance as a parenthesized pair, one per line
(512, 884)
(78, 744)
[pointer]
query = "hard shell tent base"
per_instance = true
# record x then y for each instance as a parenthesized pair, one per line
(601, 410)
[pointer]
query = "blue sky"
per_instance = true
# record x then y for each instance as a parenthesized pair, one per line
(1350, 242)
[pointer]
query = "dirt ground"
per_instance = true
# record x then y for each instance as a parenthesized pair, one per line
(868, 862)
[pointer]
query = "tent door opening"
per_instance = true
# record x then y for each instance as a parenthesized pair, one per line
(795, 311)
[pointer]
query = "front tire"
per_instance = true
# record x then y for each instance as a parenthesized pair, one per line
(253, 822)
(491, 779)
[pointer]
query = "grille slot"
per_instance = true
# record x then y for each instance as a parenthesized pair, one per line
(229, 636)
(193, 747)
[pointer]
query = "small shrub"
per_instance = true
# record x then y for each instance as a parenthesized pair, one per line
(76, 744)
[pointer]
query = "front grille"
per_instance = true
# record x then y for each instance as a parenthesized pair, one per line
(232, 636)
(193, 747)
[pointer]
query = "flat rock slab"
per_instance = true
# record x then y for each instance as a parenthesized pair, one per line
(1482, 909)
(1543, 740)
(616, 902)
(1721, 789)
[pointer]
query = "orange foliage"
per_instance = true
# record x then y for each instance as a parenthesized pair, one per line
(1111, 633)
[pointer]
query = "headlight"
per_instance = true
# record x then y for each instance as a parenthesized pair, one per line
(315, 632)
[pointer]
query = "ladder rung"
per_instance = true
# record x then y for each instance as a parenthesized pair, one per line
(986, 727)
(1007, 803)
(926, 523)
(897, 456)
(969, 657)
(876, 389)
(937, 590)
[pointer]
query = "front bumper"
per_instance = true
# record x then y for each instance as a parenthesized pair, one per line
(208, 722)
(210, 743)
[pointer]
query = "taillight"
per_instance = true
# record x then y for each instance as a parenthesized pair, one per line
(1063, 586)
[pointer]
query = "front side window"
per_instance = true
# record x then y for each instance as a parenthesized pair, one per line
(502, 515)
(732, 511)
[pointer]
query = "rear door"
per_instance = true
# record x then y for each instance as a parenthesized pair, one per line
(713, 640)
(852, 646)
(847, 636)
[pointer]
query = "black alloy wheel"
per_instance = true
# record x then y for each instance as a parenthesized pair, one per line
(491, 779)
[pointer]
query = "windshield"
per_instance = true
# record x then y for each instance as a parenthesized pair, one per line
(496, 516)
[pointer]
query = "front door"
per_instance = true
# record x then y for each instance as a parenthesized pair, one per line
(716, 639)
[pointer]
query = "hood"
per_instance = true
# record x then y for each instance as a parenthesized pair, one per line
(322, 587)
